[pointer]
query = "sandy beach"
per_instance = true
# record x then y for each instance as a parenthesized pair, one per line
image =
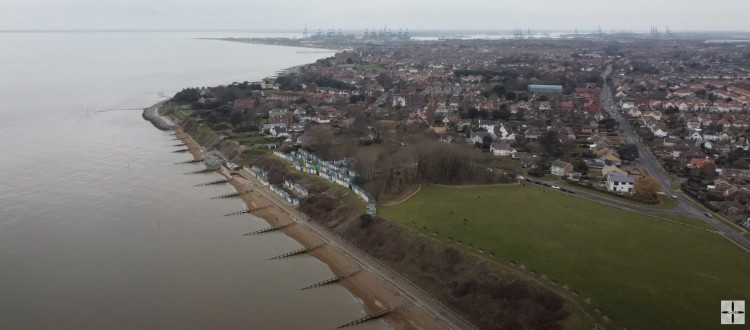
(374, 292)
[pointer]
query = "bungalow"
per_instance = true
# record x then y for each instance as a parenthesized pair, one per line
(529, 162)
(561, 168)
(730, 208)
(594, 163)
(532, 134)
(502, 149)
(722, 188)
(607, 170)
(612, 159)
(478, 137)
(735, 175)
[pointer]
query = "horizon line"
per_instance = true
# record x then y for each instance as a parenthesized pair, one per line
(21, 30)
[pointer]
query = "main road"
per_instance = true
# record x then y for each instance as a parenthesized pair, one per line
(649, 162)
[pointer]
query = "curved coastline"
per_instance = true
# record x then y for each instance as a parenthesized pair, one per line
(374, 292)
(158, 121)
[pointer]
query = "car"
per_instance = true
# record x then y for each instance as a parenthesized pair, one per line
(674, 196)
(555, 187)
(708, 215)
(520, 178)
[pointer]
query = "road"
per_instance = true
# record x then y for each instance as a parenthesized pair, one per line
(611, 201)
(413, 293)
(649, 162)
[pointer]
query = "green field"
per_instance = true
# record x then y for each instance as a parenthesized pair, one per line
(370, 67)
(641, 272)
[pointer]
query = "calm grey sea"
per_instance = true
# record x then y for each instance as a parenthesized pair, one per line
(100, 230)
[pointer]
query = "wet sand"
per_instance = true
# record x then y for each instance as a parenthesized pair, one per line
(375, 294)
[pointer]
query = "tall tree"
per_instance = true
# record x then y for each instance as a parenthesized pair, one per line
(551, 143)
(647, 187)
(628, 152)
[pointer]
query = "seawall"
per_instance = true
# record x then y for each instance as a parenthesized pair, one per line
(158, 121)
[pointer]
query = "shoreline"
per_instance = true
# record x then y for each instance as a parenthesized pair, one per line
(374, 293)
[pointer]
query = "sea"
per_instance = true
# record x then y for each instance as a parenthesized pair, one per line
(101, 229)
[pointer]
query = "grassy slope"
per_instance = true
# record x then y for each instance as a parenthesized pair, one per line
(643, 273)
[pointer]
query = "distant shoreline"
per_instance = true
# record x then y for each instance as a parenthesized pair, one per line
(282, 42)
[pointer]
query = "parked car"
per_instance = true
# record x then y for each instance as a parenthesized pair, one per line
(708, 215)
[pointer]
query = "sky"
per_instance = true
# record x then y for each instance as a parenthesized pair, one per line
(585, 15)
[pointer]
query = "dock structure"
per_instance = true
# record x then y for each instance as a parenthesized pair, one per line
(212, 182)
(332, 280)
(373, 316)
(269, 229)
(295, 252)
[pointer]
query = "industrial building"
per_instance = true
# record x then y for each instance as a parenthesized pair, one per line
(545, 88)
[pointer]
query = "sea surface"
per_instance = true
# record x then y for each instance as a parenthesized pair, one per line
(99, 229)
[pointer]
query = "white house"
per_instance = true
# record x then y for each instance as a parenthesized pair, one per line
(619, 183)
(561, 168)
(502, 149)
(478, 137)
(399, 101)
(503, 134)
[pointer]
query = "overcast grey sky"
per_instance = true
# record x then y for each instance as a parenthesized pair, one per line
(355, 14)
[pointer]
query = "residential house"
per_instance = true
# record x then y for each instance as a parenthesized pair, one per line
(280, 116)
(703, 167)
(722, 188)
(502, 149)
(478, 137)
(561, 168)
(620, 183)
(736, 176)
(607, 170)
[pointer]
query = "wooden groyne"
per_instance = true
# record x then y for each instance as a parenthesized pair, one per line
(373, 316)
(212, 182)
(205, 170)
(332, 280)
(238, 213)
(296, 252)
(178, 145)
(182, 150)
(244, 211)
(268, 230)
(226, 196)
(192, 161)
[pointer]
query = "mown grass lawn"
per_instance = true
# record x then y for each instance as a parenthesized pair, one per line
(641, 272)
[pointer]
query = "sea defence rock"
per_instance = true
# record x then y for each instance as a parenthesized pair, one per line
(158, 121)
